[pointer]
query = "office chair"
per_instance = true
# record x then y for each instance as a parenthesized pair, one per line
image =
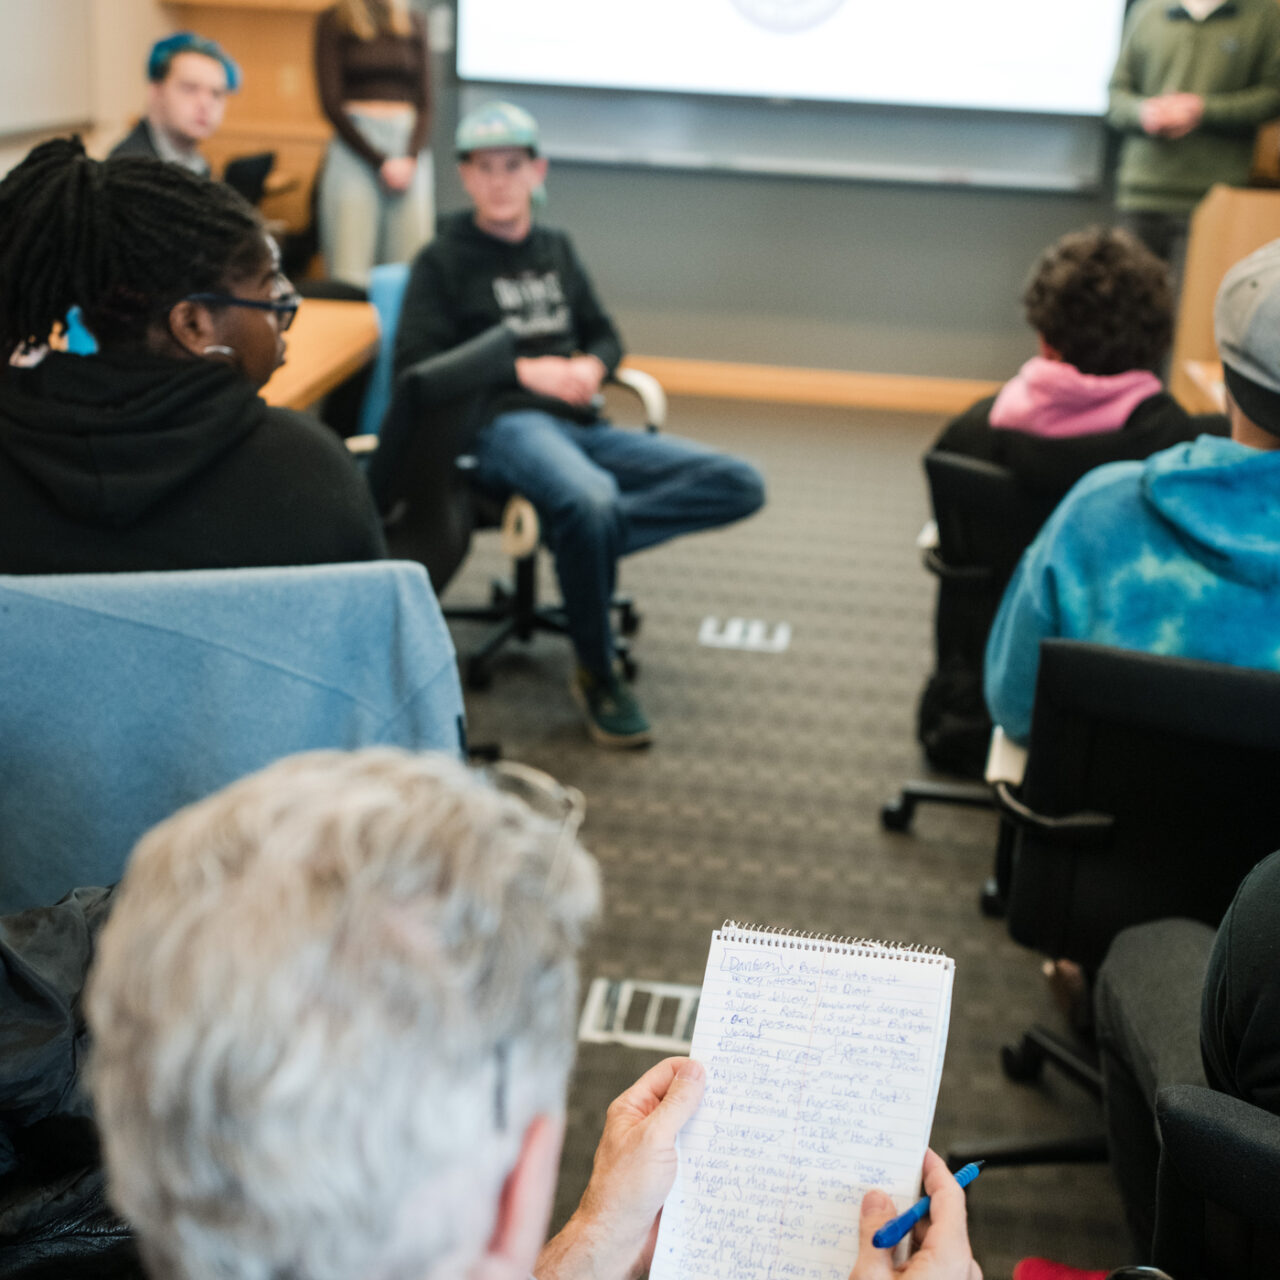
(420, 469)
(1150, 792)
(128, 695)
(248, 174)
(1218, 1189)
(985, 520)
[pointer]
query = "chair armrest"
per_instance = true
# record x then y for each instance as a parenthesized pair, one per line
(1006, 759)
(1070, 825)
(649, 390)
(1219, 1172)
(975, 573)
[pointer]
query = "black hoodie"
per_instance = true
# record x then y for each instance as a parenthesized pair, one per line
(466, 281)
(135, 462)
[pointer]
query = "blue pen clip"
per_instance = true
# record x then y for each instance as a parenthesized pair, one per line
(892, 1232)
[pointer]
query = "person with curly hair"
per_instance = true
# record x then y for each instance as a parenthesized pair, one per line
(1102, 310)
(1176, 555)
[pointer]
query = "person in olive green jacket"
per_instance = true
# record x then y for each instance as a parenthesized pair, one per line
(1191, 85)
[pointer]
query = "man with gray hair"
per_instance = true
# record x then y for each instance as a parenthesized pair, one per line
(333, 1020)
(1177, 555)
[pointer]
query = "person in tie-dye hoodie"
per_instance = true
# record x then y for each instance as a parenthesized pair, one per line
(1176, 555)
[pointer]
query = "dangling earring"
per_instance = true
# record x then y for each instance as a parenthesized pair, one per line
(216, 350)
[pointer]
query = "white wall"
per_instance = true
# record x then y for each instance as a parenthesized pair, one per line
(72, 65)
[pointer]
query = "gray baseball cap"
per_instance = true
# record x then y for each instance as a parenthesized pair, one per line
(1246, 322)
(496, 124)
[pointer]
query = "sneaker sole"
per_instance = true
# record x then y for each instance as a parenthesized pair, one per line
(614, 741)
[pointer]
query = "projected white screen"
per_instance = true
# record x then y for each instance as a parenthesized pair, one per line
(1004, 55)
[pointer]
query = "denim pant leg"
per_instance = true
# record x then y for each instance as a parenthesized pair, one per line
(670, 486)
(537, 455)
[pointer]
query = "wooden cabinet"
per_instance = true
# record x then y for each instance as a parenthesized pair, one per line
(277, 108)
(1228, 224)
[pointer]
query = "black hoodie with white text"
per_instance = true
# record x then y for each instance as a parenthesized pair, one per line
(466, 281)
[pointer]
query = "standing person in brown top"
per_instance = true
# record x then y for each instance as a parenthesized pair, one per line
(377, 188)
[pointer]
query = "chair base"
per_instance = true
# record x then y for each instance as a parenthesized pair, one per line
(897, 814)
(516, 615)
(1023, 1062)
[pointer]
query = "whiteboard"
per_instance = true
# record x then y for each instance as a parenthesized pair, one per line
(846, 142)
(988, 55)
(993, 94)
(45, 65)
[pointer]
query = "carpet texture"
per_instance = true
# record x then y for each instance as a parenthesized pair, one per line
(760, 798)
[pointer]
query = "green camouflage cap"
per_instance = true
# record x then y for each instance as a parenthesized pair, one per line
(496, 124)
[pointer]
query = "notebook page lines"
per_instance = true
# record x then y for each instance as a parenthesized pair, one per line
(823, 1067)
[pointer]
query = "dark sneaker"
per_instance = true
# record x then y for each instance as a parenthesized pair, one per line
(614, 718)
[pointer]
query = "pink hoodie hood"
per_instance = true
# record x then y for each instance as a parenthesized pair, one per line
(1052, 398)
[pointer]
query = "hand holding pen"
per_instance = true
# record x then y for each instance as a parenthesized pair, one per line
(943, 1252)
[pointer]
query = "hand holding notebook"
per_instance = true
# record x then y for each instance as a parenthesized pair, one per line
(823, 1059)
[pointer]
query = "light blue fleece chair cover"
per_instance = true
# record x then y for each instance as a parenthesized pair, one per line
(125, 696)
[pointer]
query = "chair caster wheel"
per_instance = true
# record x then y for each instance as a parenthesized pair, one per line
(479, 675)
(630, 667)
(991, 901)
(896, 816)
(628, 621)
(1022, 1062)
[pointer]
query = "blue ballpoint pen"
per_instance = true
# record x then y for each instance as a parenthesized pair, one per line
(892, 1232)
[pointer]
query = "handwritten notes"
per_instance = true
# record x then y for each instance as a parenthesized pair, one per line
(823, 1063)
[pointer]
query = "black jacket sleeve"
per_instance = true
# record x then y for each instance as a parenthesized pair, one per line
(429, 316)
(596, 333)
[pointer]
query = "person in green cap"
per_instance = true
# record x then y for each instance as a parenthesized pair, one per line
(601, 492)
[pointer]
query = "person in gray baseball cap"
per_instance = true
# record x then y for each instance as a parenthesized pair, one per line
(601, 492)
(1176, 555)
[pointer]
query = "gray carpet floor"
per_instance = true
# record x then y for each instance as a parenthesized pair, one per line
(759, 799)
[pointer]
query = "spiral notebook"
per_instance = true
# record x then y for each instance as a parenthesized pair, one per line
(823, 1060)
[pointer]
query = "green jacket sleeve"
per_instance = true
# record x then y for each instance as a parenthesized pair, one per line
(1245, 109)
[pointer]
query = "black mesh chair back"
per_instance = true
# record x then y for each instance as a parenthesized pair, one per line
(419, 474)
(985, 520)
(1152, 787)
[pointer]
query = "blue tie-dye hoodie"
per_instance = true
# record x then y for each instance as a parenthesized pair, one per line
(1179, 555)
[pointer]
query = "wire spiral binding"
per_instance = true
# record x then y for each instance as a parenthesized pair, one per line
(772, 935)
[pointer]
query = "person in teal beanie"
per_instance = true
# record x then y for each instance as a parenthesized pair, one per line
(1177, 555)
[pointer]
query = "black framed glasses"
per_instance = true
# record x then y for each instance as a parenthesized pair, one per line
(285, 308)
(548, 798)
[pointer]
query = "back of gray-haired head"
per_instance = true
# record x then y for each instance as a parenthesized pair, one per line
(1246, 321)
(327, 1004)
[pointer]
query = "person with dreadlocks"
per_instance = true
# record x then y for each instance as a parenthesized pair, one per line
(156, 452)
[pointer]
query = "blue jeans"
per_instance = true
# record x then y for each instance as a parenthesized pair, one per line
(602, 492)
